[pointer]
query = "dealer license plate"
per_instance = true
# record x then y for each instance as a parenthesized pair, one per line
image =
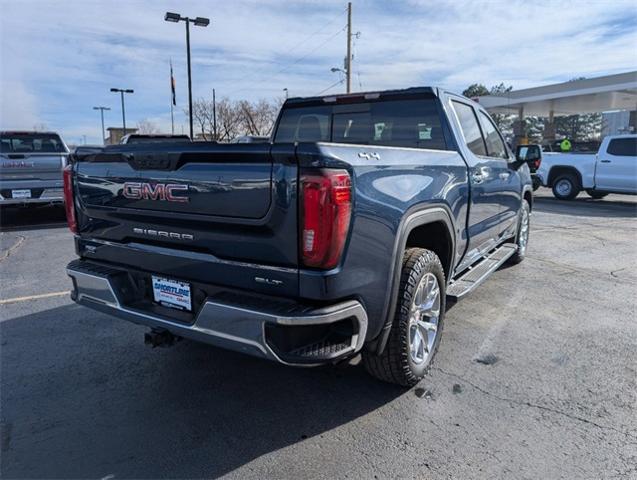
(172, 293)
(24, 193)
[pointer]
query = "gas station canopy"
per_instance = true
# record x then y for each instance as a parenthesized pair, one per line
(600, 94)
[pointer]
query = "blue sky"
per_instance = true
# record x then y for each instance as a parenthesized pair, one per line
(59, 58)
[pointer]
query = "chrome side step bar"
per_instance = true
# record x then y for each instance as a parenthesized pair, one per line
(479, 272)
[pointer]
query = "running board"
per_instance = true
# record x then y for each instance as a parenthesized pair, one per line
(479, 272)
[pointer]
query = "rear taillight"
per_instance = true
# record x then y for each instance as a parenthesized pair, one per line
(68, 198)
(326, 207)
(537, 163)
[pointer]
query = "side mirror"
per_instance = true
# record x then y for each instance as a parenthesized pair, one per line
(529, 154)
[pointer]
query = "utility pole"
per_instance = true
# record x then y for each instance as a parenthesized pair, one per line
(348, 61)
(101, 109)
(214, 114)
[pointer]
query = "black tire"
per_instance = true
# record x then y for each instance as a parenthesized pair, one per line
(596, 195)
(395, 364)
(566, 186)
(518, 256)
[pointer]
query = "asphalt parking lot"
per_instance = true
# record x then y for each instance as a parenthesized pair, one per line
(536, 377)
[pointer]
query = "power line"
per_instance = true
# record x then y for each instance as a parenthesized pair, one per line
(286, 68)
(317, 31)
(310, 52)
(295, 62)
(331, 86)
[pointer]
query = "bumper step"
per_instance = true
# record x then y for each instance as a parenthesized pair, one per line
(479, 272)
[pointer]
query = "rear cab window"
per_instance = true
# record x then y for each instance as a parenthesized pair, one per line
(413, 123)
(31, 143)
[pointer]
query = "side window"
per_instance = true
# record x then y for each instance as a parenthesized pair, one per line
(495, 145)
(470, 128)
(623, 147)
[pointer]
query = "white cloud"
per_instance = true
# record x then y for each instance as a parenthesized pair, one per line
(18, 107)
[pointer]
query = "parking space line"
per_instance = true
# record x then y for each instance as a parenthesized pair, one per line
(34, 297)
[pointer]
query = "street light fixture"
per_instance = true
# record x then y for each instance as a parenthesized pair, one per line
(122, 91)
(101, 109)
(199, 22)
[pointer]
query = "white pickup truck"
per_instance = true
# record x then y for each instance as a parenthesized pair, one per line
(613, 169)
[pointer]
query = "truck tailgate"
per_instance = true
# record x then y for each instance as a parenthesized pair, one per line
(227, 203)
(31, 166)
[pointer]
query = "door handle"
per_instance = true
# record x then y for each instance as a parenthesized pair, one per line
(477, 177)
(504, 175)
(605, 161)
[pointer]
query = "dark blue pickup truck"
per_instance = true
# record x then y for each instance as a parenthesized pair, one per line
(346, 233)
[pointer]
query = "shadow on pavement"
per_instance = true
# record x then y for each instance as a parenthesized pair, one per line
(32, 217)
(83, 397)
(586, 207)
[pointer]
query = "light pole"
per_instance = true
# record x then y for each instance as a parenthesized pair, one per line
(199, 22)
(101, 109)
(286, 93)
(122, 91)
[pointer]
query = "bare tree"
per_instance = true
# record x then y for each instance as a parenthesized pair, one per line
(228, 120)
(147, 127)
(258, 118)
(234, 118)
(201, 111)
(40, 127)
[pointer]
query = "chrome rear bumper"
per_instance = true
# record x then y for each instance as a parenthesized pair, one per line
(239, 327)
(49, 195)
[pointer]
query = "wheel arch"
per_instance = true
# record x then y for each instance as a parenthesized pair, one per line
(527, 195)
(558, 170)
(424, 228)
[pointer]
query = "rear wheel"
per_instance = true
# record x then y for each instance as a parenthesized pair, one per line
(417, 325)
(566, 187)
(596, 195)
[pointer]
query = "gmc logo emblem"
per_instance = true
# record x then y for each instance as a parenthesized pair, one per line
(159, 191)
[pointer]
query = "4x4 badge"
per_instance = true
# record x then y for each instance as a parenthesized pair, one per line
(369, 156)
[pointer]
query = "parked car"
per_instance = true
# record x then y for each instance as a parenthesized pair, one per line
(345, 234)
(590, 146)
(152, 138)
(31, 166)
(612, 170)
(250, 139)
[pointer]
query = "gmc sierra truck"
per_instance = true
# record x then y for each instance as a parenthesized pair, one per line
(345, 233)
(613, 169)
(31, 166)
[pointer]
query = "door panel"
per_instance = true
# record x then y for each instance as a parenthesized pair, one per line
(486, 178)
(616, 168)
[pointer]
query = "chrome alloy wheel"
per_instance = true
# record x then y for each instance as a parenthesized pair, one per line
(564, 187)
(423, 318)
(523, 236)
